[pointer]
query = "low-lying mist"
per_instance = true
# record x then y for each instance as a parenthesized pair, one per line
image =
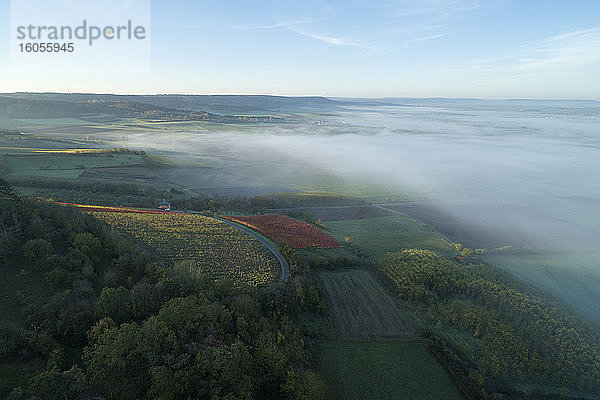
(527, 172)
(486, 174)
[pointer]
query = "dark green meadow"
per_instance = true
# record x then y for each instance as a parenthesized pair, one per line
(383, 369)
(361, 308)
(66, 165)
(374, 352)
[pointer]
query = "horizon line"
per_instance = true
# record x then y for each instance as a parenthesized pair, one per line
(308, 96)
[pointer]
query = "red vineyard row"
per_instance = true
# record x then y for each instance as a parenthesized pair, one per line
(279, 228)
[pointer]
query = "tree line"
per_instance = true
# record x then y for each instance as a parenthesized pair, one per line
(131, 195)
(517, 335)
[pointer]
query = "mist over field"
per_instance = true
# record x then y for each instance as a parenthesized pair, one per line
(514, 182)
(527, 169)
(486, 174)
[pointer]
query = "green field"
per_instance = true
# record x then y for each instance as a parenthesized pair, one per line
(377, 236)
(383, 369)
(378, 356)
(58, 165)
(9, 123)
(360, 307)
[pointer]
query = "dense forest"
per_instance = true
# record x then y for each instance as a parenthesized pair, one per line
(114, 323)
(516, 336)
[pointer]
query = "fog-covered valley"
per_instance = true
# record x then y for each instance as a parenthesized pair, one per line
(487, 174)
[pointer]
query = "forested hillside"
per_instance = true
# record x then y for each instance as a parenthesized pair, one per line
(88, 313)
(501, 333)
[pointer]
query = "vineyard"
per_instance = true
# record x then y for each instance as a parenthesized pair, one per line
(282, 229)
(215, 248)
(92, 208)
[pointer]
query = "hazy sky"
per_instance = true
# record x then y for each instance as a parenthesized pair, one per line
(417, 48)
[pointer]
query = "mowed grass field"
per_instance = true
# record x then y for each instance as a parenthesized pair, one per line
(383, 369)
(377, 236)
(376, 354)
(12, 123)
(361, 308)
(209, 246)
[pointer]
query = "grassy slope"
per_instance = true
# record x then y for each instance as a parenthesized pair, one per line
(383, 369)
(360, 307)
(377, 236)
(14, 123)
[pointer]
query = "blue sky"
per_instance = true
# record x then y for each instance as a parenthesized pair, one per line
(401, 48)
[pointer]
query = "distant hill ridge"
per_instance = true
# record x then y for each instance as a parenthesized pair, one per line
(22, 106)
(216, 104)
